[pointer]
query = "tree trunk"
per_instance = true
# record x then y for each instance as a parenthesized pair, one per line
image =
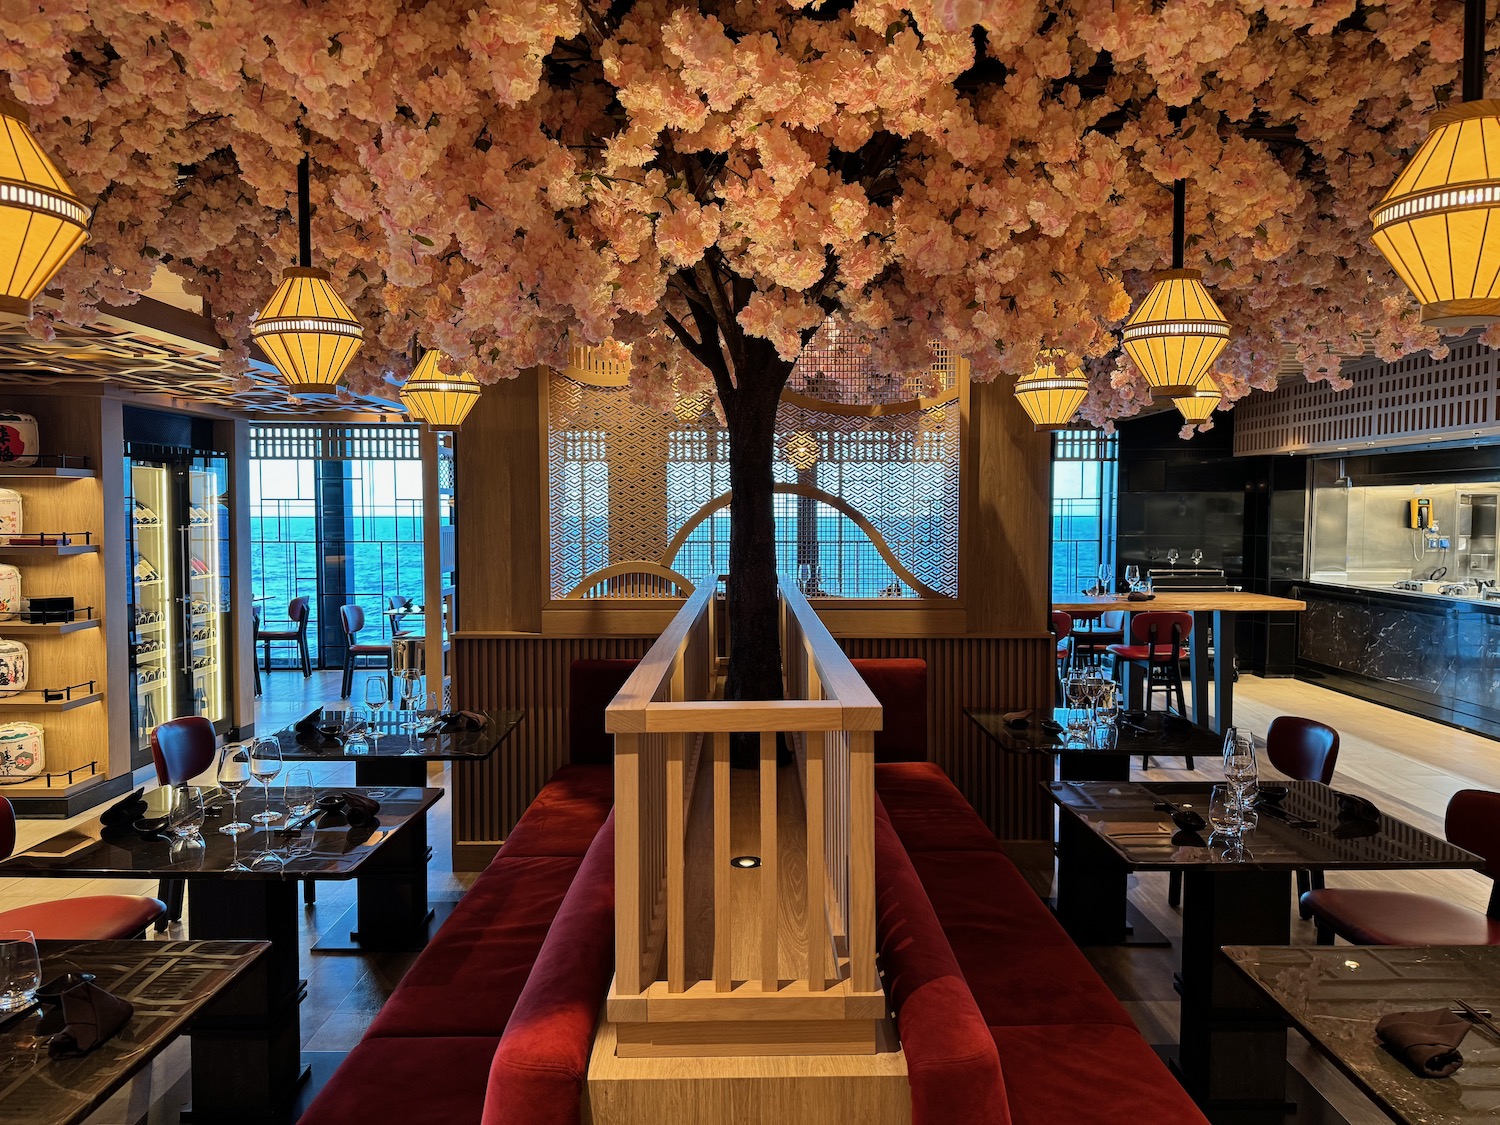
(754, 639)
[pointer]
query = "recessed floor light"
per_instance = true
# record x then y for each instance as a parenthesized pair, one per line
(745, 861)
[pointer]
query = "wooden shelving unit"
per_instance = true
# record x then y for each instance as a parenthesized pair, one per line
(20, 551)
(32, 703)
(22, 630)
(8, 472)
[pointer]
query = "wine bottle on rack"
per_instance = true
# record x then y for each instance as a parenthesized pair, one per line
(148, 715)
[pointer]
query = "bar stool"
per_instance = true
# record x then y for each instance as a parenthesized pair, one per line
(1150, 647)
(1367, 917)
(89, 918)
(1094, 631)
(299, 610)
(352, 617)
(1061, 626)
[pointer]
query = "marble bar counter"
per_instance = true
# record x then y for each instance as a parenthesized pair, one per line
(1429, 654)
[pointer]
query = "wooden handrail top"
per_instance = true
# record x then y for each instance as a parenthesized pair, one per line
(729, 716)
(641, 688)
(840, 680)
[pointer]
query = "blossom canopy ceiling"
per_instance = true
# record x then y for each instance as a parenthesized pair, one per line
(499, 178)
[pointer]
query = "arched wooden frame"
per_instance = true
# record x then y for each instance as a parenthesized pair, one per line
(624, 569)
(837, 503)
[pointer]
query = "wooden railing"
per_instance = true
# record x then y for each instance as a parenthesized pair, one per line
(774, 954)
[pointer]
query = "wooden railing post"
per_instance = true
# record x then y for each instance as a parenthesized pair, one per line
(628, 855)
(770, 867)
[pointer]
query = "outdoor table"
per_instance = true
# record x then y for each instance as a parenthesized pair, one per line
(1230, 1054)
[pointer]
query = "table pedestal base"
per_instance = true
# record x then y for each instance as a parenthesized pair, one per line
(344, 935)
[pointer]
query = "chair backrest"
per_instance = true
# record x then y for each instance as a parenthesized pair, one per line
(591, 685)
(353, 618)
(299, 610)
(1160, 627)
(901, 687)
(7, 828)
(182, 749)
(1473, 823)
(1061, 624)
(1304, 749)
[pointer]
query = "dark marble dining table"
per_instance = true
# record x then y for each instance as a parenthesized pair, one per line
(176, 988)
(1334, 996)
(1232, 1049)
(395, 756)
(1156, 734)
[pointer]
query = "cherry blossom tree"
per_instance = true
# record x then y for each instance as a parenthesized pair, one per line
(706, 183)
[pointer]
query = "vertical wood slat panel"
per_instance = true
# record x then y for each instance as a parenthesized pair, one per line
(817, 911)
(676, 891)
(990, 673)
(628, 938)
(723, 897)
(861, 918)
(770, 868)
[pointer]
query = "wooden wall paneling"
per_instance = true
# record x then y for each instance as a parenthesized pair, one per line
(235, 437)
(499, 483)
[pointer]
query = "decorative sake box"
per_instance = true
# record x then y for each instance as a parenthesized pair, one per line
(18, 439)
(10, 592)
(15, 667)
(10, 514)
(22, 752)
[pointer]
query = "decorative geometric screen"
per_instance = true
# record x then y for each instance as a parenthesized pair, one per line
(867, 473)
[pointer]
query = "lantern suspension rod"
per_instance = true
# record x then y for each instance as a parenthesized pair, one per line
(1179, 222)
(304, 214)
(1473, 50)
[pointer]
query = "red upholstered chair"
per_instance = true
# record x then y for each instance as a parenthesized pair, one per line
(1367, 917)
(1061, 625)
(181, 749)
(352, 617)
(901, 686)
(1093, 631)
(591, 685)
(1306, 750)
(299, 610)
(89, 918)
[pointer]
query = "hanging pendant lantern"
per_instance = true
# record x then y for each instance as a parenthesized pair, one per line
(1177, 332)
(1199, 406)
(442, 401)
(41, 221)
(802, 451)
(1053, 392)
(1439, 224)
(306, 330)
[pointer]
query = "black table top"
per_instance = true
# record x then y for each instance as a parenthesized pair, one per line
(169, 982)
(1307, 834)
(1335, 995)
(337, 850)
(1156, 733)
(393, 742)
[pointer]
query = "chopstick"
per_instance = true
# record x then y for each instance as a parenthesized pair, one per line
(1480, 1018)
(305, 821)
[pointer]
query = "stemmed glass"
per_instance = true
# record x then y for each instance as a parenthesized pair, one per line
(1224, 813)
(377, 695)
(1078, 698)
(1133, 577)
(1106, 578)
(298, 792)
(234, 775)
(20, 970)
(185, 815)
(265, 764)
(1172, 556)
(1197, 556)
(1240, 769)
(412, 698)
(804, 578)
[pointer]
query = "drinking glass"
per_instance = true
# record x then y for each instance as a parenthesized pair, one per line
(412, 699)
(376, 695)
(1224, 813)
(356, 730)
(1078, 698)
(1239, 756)
(1172, 556)
(20, 970)
(234, 775)
(185, 813)
(1197, 556)
(1106, 578)
(298, 792)
(804, 578)
(265, 764)
(1133, 577)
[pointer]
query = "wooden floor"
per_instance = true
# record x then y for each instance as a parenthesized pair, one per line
(1407, 766)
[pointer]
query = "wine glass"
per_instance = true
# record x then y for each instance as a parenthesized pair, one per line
(185, 814)
(1133, 577)
(265, 764)
(20, 970)
(298, 792)
(412, 698)
(1197, 556)
(1224, 813)
(234, 775)
(1106, 578)
(804, 577)
(356, 730)
(377, 695)
(1172, 556)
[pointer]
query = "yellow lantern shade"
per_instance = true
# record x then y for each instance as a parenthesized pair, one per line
(442, 401)
(1439, 224)
(1199, 406)
(307, 331)
(802, 451)
(41, 221)
(1175, 334)
(1053, 392)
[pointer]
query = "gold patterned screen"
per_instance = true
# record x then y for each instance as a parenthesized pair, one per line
(867, 478)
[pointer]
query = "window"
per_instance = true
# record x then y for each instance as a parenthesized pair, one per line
(1084, 485)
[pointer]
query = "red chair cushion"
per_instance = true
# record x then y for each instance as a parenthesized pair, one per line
(927, 812)
(429, 1081)
(591, 685)
(950, 1058)
(1098, 1074)
(1397, 918)
(566, 815)
(90, 918)
(1161, 654)
(468, 978)
(538, 1071)
(901, 687)
(369, 650)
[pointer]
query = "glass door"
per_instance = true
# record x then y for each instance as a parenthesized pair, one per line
(206, 537)
(153, 588)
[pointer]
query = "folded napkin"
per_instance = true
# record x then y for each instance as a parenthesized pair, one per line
(1357, 818)
(1016, 718)
(357, 809)
(90, 1016)
(1425, 1041)
(126, 811)
(1139, 596)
